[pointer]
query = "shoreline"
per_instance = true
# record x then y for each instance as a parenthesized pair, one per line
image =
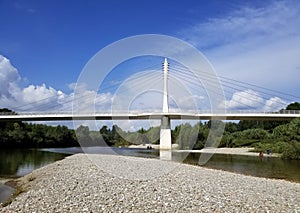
(7, 189)
(248, 151)
(76, 184)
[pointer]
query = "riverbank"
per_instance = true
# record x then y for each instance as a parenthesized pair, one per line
(4, 180)
(120, 183)
(6, 190)
(248, 151)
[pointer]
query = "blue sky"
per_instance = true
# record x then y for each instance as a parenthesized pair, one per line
(46, 39)
(48, 42)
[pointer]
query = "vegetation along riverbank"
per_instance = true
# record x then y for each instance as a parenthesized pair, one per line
(267, 136)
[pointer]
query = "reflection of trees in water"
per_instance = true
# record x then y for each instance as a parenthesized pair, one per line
(269, 167)
(12, 160)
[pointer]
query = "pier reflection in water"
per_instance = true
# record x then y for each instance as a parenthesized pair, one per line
(165, 154)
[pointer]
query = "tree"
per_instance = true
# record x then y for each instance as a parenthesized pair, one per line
(153, 134)
(106, 135)
(293, 106)
(175, 134)
(231, 127)
(185, 137)
(97, 138)
(83, 136)
(7, 124)
(254, 124)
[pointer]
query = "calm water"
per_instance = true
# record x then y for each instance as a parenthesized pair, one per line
(267, 167)
(16, 163)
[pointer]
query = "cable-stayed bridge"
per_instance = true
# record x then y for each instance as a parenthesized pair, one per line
(245, 98)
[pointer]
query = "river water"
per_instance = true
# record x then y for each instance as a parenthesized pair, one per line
(17, 163)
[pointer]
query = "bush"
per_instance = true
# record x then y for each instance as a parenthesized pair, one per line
(262, 146)
(292, 151)
(226, 141)
(279, 147)
(243, 142)
(255, 134)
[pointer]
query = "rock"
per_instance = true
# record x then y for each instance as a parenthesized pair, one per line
(82, 183)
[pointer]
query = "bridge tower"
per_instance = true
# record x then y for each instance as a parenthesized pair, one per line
(165, 127)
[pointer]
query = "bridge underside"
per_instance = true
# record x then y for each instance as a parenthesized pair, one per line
(147, 116)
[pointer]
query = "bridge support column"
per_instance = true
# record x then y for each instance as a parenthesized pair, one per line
(165, 127)
(165, 134)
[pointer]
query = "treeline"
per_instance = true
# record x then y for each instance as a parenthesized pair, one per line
(284, 138)
(116, 136)
(279, 136)
(28, 135)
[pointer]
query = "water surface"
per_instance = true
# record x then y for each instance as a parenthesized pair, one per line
(17, 163)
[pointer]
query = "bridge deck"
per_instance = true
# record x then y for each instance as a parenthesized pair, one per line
(146, 116)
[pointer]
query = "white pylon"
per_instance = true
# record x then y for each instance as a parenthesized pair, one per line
(165, 127)
(165, 99)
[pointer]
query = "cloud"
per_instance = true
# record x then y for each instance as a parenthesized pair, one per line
(86, 100)
(9, 77)
(251, 100)
(247, 99)
(258, 45)
(34, 93)
(187, 102)
(274, 104)
(32, 97)
(37, 98)
(248, 25)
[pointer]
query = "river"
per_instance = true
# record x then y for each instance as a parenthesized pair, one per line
(17, 163)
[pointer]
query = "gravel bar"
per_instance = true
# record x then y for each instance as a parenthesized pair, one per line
(112, 183)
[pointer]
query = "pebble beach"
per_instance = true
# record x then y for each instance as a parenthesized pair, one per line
(111, 183)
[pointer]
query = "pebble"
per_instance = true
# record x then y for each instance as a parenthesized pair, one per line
(108, 183)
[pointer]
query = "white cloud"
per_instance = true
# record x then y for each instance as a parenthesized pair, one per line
(190, 102)
(9, 77)
(248, 25)
(274, 104)
(247, 99)
(34, 93)
(44, 98)
(251, 100)
(32, 97)
(89, 101)
(258, 45)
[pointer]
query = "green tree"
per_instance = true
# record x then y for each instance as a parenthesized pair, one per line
(153, 134)
(83, 136)
(231, 127)
(106, 135)
(293, 106)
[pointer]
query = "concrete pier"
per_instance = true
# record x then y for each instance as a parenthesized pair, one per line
(165, 127)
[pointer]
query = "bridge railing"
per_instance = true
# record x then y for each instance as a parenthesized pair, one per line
(157, 111)
(35, 113)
